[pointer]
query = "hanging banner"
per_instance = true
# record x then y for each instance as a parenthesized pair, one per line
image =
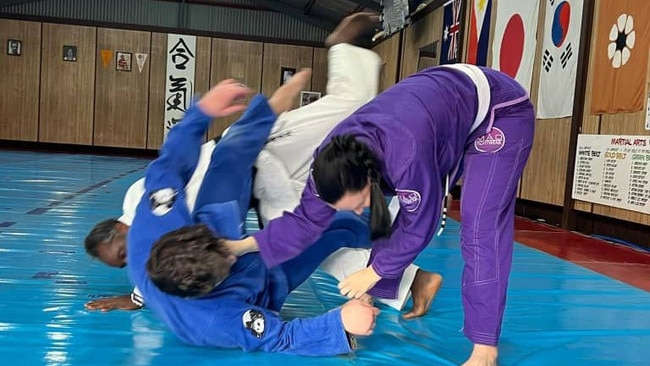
(620, 72)
(140, 58)
(451, 32)
(479, 32)
(559, 67)
(107, 55)
(515, 42)
(179, 89)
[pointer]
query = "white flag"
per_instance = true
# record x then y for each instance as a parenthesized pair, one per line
(561, 43)
(513, 48)
(140, 58)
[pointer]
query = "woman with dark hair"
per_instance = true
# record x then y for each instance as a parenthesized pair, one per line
(413, 141)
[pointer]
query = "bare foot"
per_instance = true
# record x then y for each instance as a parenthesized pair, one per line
(482, 355)
(424, 288)
(284, 97)
(351, 28)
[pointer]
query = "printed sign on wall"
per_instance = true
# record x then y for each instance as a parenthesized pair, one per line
(179, 89)
(614, 171)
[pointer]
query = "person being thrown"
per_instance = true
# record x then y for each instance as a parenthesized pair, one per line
(282, 171)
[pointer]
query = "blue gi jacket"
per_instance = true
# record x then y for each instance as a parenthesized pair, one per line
(242, 312)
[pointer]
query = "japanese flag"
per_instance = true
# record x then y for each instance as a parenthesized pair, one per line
(513, 48)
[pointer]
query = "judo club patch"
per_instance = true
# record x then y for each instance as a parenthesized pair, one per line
(408, 199)
(162, 200)
(254, 321)
(491, 142)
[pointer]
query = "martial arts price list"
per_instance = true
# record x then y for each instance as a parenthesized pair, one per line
(613, 171)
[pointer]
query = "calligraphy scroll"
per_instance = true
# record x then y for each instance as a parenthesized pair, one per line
(179, 88)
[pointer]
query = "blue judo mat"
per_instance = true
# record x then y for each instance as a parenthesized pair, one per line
(558, 313)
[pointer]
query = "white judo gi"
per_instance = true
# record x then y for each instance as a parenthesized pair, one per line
(283, 165)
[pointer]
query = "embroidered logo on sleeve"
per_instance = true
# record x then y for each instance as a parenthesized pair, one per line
(491, 142)
(162, 200)
(408, 199)
(254, 321)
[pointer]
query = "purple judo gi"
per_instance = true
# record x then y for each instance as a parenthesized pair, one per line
(435, 126)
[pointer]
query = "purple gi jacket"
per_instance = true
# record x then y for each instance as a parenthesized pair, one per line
(419, 130)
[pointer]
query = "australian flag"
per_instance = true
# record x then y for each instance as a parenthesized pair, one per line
(450, 50)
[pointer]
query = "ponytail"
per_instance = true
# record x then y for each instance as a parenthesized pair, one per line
(346, 165)
(380, 224)
(379, 215)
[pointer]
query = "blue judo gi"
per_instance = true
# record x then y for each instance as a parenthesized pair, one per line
(242, 311)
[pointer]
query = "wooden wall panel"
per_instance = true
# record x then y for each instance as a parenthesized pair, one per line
(583, 206)
(202, 73)
(545, 174)
(388, 50)
(426, 62)
(121, 97)
(422, 33)
(590, 122)
(622, 214)
(19, 84)
(241, 60)
(623, 124)
(67, 88)
(157, 73)
(319, 71)
(277, 56)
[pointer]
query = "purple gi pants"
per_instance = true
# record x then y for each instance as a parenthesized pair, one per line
(494, 161)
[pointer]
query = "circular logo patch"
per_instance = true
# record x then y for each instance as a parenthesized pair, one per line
(162, 200)
(491, 142)
(254, 321)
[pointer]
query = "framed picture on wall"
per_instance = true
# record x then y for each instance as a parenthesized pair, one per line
(70, 53)
(308, 97)
(286, 73)
(123, 61)
(14, 47)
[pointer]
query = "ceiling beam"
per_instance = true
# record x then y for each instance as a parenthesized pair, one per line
(4, 3)
(310, 4)
(283, 8)
(368, 4)
(217, 3)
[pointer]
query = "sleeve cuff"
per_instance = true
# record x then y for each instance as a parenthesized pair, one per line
(383, 274)
(345, 342)
(136, 298)
(267, 257)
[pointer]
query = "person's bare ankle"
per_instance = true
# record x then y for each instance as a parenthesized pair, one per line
(424, 289)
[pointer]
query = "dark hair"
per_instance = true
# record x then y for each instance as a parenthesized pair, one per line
(188, 262)
(101, 233)
(345, 165)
